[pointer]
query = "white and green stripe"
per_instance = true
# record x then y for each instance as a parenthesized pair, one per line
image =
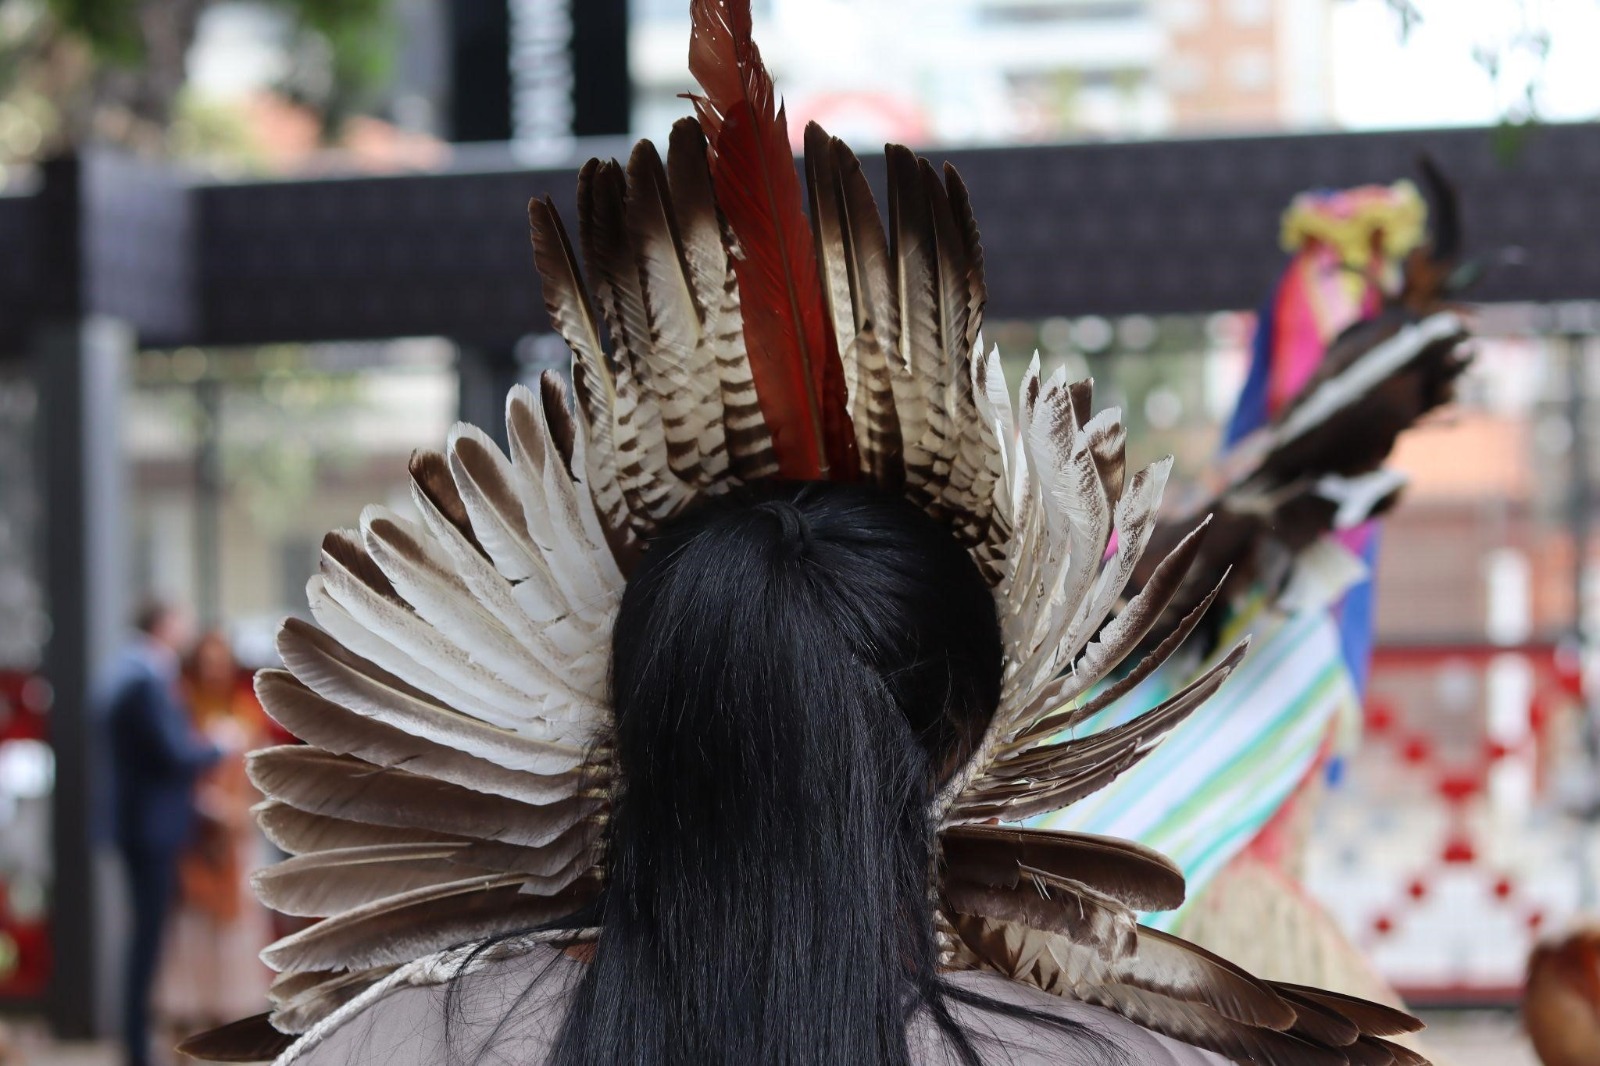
(1218, 778)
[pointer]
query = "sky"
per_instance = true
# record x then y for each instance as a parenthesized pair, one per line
(1431, 78)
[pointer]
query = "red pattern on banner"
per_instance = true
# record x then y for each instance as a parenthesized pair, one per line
(1434, 758)
(24, 945)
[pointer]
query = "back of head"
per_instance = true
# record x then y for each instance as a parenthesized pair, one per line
(165, 622)
(792, 675)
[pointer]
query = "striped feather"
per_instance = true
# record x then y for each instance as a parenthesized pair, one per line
(683, 358)
(853, 257)
(344, 677)
(337, 786)
(648, 485)
(333, 728)
(572, 314)
(418, 923)
(705, 247)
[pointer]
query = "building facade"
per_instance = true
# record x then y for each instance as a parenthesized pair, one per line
(1010, 71)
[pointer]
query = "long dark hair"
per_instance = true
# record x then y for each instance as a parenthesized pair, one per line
(789, 676)
(795, 669)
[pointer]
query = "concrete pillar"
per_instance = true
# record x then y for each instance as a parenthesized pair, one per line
(81, 370)
(484, 375)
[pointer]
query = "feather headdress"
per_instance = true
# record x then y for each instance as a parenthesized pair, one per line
(453, 785)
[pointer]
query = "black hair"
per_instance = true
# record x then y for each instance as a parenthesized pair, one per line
(151, 613)
(787, 677)
(795, 670)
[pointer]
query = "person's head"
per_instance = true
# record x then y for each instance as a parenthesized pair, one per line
(211, 663)
(792, 587)
(793, 674)
(167, 623)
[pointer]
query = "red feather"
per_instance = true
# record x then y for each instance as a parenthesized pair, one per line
(793, 356)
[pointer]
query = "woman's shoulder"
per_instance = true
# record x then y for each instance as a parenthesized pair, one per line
(510, 1001)
(449, 1007)
(1002, 1038)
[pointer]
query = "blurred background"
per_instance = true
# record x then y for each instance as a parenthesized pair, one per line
(254, 252)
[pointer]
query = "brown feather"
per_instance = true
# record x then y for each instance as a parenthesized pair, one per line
(683, 364)
(1178, 968)
(1058, 775)
(1319, 1024)
(430, 472)
(1160, 964)
(343, 549)
(922, 370)
(853, 257)
(1108, 650)
(1197, 1024)
(968, 492)
(329, 726)
(331, 882)
(341, 676)
(1125, 684)
(1128, 872)
(300, 833)
(1072, 754)
(1054, 905)
(342, 787)
(419, 923)
(749, 442)
(1373, 1019)
(250, 1039)
(1402, 1055)
(572, 314)
(643, 473)
(315, 1001)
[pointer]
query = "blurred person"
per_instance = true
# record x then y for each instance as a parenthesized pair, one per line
(1561, 1000)
(156, 756)
(210, 969)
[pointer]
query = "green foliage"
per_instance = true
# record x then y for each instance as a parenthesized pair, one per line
(1511, 136)
(361, 40)
(348, 44)
(203, 130)
(110, 26)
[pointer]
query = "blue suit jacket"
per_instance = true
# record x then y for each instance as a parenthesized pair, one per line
(155, 755)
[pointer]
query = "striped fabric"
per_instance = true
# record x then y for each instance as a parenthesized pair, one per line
(1211, 786)
(1218, 779)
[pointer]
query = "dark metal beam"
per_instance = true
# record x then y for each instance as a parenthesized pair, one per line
(1152, 227)
(602, 90)
(1157, 227)
(479, 105)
